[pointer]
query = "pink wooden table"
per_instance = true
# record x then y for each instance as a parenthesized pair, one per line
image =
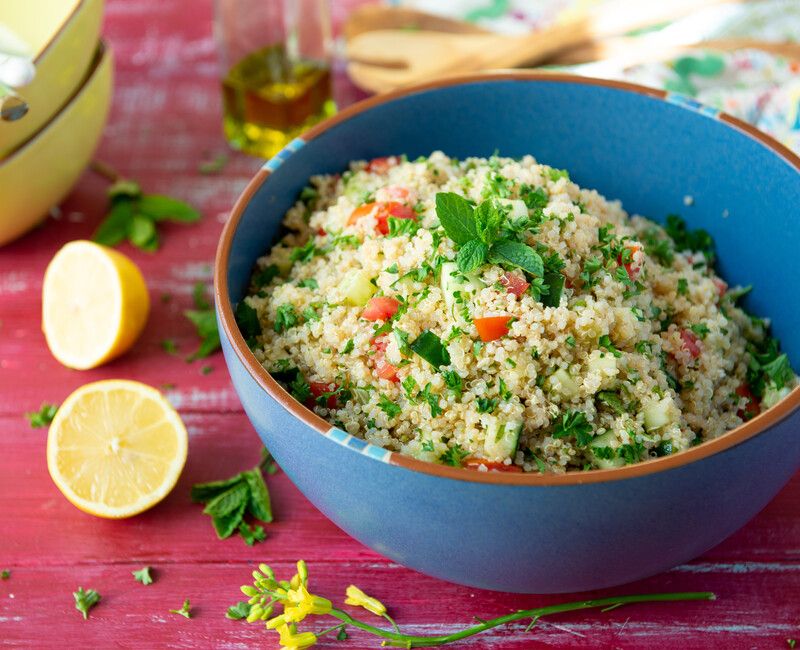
(165, 121)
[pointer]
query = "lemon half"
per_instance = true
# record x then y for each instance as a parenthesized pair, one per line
(116, 448)
(94, 304)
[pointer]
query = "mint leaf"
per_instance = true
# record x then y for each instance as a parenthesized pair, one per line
(199, 296)
(114, 228)
(247, 320)
(142, 232)
(226, 524)
(471, 255)
(517, 254)
(456, 215)
(163, 208)
(258, 502)
(488, 218)
(203, 492)
(555, 284)
(228, 501)
(206, 324)
(251, 535)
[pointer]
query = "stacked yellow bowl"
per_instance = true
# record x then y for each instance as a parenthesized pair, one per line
(43, 154)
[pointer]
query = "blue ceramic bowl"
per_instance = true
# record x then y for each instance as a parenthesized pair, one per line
(531, 533)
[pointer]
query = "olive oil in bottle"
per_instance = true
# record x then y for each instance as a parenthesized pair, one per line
(269, 99)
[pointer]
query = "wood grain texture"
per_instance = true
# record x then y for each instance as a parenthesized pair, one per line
(165, 121)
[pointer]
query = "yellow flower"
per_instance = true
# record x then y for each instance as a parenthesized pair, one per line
(300, 603)
(291, 640)
(358, 598)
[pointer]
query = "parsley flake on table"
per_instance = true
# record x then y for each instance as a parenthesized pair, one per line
(238, 611)
(43, 417)
(5, 574)
(85, 600)
(185, 610)
(133, 215)
(205, 322)
(143, 575)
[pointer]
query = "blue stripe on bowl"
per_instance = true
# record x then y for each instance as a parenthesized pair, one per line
(359, 445)
(277, 160)
(692, 104)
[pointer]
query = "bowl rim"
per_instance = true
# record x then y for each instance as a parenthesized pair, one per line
(729, 439)
(57, 33)
(101, 56)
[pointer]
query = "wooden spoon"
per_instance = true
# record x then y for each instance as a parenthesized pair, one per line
(369, 18)
(386, 59)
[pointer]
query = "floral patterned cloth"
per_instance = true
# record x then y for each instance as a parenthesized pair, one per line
(759, 87)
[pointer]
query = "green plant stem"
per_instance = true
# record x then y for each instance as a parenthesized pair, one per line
(105, 170)
(407, 641)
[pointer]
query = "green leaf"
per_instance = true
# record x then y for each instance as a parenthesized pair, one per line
(574, 423)
(43, 417)
(488, 218)
(402, 227)
(85, 600)
(199, 296)
(143, 575)
(229, 500)
(779, 371)
(457, 217)
(213, 166)
(430, 347)
(517, 254)
(258, 502)
(184, 611)
(125, 189)
(114, 228)
(164, 208)
(251, 535)
(454, 456)
(204, 492)
(612, 399)
(555, 284)
(247, 320)
(206, 324)
(142, 231)
(389, 407)
(238, 611)
(226, 524)
(471, 256)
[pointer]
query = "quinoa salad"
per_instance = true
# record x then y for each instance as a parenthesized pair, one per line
(491, 314)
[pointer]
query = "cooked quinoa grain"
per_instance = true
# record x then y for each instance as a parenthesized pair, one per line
(491, 313)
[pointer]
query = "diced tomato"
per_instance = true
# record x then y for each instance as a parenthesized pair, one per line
(514, 283)
(321, 231)
(491, 328)
(386, 370)
(633, 268)
(381, 165)
(383, 368)
(690, 343)
(721, 286)
(318, 389)
(492, 466)
(753, 406)
(396, 193)
(380, 308)
(382, 212)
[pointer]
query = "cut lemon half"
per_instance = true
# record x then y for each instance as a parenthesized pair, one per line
(94, 304)
(116, 448)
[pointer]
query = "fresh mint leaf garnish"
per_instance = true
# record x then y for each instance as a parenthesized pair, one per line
(471, 255)
(517, 254)
(456, 216)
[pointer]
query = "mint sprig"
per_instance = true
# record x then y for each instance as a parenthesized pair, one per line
(228, 501)
(479, 233)
(133, 216)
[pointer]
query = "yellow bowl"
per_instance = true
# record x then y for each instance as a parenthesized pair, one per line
(62, 36)
(41, 172)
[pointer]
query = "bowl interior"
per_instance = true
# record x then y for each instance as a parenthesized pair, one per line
(658, 157)
(37, 21)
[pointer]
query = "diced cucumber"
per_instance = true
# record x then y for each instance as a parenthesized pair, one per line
(361, 395)
(658, 413)
(518, 208)
(454, 282)
(502, 440)
(563, 383)
(357, 288)
(604, 440)
(772, 395)
(606, 366)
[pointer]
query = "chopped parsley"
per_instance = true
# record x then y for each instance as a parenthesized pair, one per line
(454, 456)
(389, 407)
(683, 287)
(304, 253)
(432, 400)
(486, 404)
(285, 318)
(453, 382)
(701, 329)
(402, 227)
(689, 240)
(605, 342)
(574, 424)
(348, 347)
(308, 283)
(43, 417)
